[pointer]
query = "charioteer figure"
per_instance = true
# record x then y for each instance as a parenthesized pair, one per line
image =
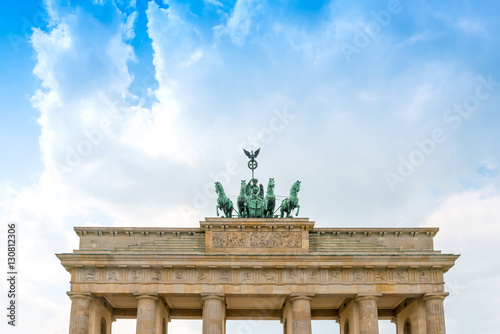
(251, 202)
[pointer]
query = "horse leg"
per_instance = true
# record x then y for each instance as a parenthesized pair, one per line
(284, 206)
(217, 208)
(298, 208)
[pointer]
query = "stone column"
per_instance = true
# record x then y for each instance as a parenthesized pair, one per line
(146, 312)
(79, 318)
(213, 314)
(368, 314)
(435, 313)
(301, 314)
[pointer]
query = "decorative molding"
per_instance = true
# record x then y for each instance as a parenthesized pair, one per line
(300, 274)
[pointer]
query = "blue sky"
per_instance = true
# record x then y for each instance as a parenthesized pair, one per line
(124, 113)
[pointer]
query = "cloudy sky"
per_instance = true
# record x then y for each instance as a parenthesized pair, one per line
(124, 113)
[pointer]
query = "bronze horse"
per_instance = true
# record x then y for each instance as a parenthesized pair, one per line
(270, 200)
(291, 202)
(243, 201)
(224, 203)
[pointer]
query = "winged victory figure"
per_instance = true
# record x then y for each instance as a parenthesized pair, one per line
(252, 155)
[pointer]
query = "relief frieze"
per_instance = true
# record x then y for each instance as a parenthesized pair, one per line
(257, 240)
(358, 275)
(135, 275)
(224, 275)
(380, 276)
(313, 276)
(246, 276)
(156, 275)
(424, 276)
(335, 275)
(401, 276)
(291, 275)
(179, 275)
(268, 275)
(112, 276)
(91, 275)
(249, 276)
(202, 276)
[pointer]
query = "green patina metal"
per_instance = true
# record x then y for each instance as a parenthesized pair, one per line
(251, 202)
(291, 202)
(223, 203)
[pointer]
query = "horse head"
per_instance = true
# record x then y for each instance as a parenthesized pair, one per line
(243, 187)
(296, 186)
(218, 187)
(271, 182)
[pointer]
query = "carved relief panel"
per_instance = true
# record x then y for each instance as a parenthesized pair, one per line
(224, 276)
(401, 276)
(202, 275)
(135, 275)
(380, 276)
(358, 275)
(257, 240)
(112, 275)
(291, 275)
(90, 275)
(335, 275)
(156, 275)
(179, 275)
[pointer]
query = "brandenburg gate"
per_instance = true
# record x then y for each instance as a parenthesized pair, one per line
(253, 267)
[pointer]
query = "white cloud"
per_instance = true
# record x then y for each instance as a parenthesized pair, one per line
(214, 3)
(469, 223)
(94, 145)
(241, 23)
(473, 26)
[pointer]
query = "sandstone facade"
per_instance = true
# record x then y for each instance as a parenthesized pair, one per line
(282, 269)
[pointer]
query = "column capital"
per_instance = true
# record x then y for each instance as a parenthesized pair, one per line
(152, 297)
(297, 296)
(368, 296)
(209, 296)
(433, 296)
(84, 295)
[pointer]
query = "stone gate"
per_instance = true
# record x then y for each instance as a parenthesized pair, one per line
(257, 268)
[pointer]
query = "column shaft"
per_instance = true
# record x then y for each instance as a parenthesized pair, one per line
(301, 314)
(435, 314)
(79, 318)
(213, 314)
(146, 313)
(368, 314)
